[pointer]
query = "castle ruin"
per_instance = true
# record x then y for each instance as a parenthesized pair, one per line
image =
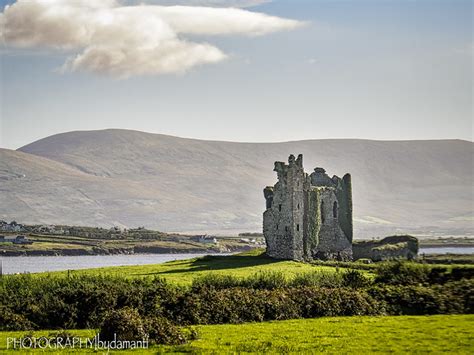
(308, 217)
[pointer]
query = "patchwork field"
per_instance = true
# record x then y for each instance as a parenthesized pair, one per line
(103, 242)
(390, 334)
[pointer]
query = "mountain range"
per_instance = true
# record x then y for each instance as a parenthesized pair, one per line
(129, 178)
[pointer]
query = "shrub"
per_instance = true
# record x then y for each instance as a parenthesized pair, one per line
(459, 273)
(161, 331)
(216, 281)
(354, 279)
(280, 304)
(459, 296)
(13, 321)
(211, 306)
(440, 274)
(266, 280)
(92, 301)
(452, 297)
(402, 273)
(318, 279)
(315, 302)
(124, 323)
(409, 300)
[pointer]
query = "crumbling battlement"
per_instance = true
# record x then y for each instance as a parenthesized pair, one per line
(308, 216)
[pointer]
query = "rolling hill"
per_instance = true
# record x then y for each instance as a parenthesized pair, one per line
(130, 178)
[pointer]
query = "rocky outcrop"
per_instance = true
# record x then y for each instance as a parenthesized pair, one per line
(389, 248)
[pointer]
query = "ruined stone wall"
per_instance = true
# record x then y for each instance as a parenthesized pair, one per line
(296, 182)
(389, 248)
(283, 220)
(344, 197)
(312, 221)
(333, 243)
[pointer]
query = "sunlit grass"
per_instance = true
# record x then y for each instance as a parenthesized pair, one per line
(184, 271)
(391, 334)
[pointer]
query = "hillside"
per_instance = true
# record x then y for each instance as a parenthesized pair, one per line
(130, 178)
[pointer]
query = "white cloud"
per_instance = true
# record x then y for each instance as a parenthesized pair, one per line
(124, 41)
(213, 3)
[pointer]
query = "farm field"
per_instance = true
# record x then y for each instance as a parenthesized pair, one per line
(389, 334)
(146, 242)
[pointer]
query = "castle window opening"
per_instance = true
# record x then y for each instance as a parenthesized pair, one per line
(279, 208)
(334, 209)
(298, 227)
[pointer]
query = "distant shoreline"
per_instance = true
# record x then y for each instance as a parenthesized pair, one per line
(166, 251)
(141, 251)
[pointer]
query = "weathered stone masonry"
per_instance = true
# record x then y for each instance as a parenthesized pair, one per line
(308, 216)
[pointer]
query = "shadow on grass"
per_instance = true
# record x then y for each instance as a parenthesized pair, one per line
(213, 262)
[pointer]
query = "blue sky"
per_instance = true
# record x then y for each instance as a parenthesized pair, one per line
(358, 69)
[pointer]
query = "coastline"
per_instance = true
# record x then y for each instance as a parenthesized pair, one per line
(121, 251)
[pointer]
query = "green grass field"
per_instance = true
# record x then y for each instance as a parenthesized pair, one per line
(402, 334)
(241, 265)
(184, 271)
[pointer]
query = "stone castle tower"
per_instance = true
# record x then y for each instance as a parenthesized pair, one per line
(308, 216)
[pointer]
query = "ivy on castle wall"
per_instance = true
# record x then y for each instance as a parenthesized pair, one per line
(314, 215)
(344, 197)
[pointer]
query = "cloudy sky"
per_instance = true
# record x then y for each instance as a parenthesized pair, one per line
(239, 70)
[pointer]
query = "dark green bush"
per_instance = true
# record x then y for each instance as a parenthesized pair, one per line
(459, 273)
(438, 275)
(266, 280)
(238, 305)
(443, 274)
(402, 273)
(280, 304)
(13, 321)
(211, 306)
(79, 302)
(336, 302)
(124, 324)
(161, 331)
(459, 296)
(411, 273)
(452, 297)
(410, 300)
(216, 281)
(318, 279)
(354, 279)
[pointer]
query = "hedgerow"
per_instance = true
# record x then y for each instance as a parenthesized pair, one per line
(28, 302)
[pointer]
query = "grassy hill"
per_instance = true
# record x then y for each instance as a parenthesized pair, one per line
(130, 178)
